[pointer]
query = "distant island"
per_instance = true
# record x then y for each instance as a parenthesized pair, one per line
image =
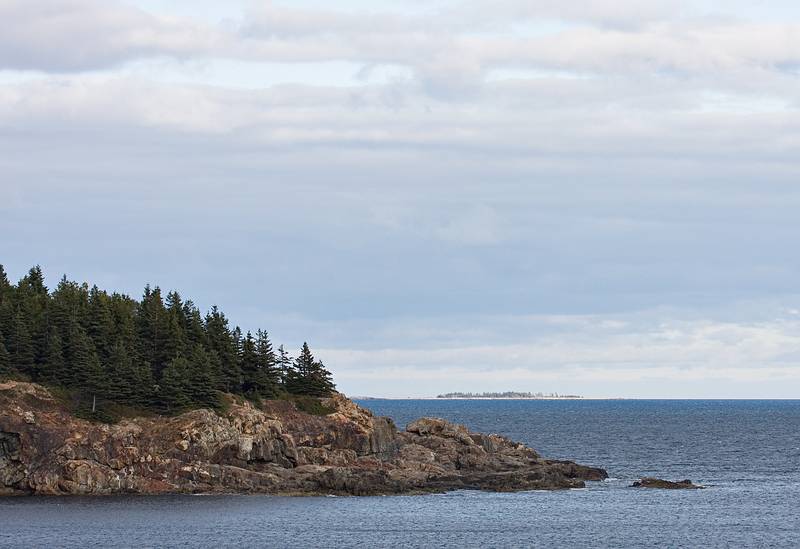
(510, 394)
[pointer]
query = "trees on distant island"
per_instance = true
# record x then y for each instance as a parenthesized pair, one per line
(507, 394)
(157, 353)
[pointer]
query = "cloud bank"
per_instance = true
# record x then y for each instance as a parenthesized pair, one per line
(408, 185)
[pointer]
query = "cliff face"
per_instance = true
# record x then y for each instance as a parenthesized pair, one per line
(274, 449)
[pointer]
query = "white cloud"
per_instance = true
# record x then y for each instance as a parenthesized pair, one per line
(76, 35)
(617, 13)
(597, 354)
(450, 49)
(477, 191)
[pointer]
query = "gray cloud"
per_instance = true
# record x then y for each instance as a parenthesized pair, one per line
(506, 206)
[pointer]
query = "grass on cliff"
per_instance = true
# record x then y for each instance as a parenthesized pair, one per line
(80, 405)
(310, 405)
(302, 403)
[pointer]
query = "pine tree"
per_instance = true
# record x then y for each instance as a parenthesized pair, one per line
(152, 328)
(5, 285)
(202, 380)
(175, 343)
(248, 365)
(123, 374)
(33, 282)
(123, 311)
(21, 345)
(83, 365)
(285, 366)
(54, 368)
(100, 324)
(322, 384)
(6, 307)
(69, 304)
(310, 376)
(5, 361)
(173, 394)
(33, 299)
(195, 328)
(223, 342)
(269, 378)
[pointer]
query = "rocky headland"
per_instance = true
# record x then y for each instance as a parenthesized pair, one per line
(273, 448)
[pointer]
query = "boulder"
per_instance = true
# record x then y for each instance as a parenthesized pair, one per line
(650, 482)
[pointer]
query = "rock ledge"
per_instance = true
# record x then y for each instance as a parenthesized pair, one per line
(649, 482)
(272, 449)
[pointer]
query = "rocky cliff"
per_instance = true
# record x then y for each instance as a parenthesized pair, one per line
(271, 449)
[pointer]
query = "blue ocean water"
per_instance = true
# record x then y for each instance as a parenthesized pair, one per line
(746, 452)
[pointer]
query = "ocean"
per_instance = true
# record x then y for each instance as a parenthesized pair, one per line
(747, 453)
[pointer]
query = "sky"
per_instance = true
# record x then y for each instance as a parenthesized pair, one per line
(593, 197)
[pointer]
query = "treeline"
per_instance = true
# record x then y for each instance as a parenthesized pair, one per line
(507, 394)
(159, 353)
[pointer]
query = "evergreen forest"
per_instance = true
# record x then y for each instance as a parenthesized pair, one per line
(157, 354)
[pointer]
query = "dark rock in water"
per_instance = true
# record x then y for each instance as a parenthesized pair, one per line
(649, 482)
(270, 449)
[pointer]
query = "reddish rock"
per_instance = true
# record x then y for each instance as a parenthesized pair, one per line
(273, 449)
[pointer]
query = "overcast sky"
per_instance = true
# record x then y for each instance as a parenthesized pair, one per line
(597, 197)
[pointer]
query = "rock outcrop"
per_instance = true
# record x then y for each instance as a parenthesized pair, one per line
(271, 449)
(649, 482)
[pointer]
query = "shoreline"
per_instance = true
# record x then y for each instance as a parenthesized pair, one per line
(272, 448)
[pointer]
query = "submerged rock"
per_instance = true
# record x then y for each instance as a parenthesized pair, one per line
(270, 449)
(649, 482)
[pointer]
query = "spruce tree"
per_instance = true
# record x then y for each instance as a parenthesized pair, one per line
(33, 282)
(222, 341)
(5, 285)
(173, 394)
(202, 380)
(152, 328)
(285, 366)
(83, 365)
(269, 378)
(195, 328)
(68, 304)
(5, 362)
(54, 368)
(33, 299)
(21, 345)
(6, 307)
(248, 365)
(175, 343)
(123, 374)
(310, 376)
(322, 384)
(100, 325)
(123, 311)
